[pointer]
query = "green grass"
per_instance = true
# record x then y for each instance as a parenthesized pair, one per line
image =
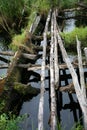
(70, 38)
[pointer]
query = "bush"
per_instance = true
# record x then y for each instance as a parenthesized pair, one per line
(11, 122)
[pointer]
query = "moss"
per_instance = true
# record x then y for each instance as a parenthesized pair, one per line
(25, 89)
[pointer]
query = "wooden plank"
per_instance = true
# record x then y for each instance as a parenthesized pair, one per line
(52, 82)
(56, 66)
(41, 103)
(29, 56)
(82, 81)
(81, 98)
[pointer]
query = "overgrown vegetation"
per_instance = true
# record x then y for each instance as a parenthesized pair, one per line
(10, 122)
(70, 38)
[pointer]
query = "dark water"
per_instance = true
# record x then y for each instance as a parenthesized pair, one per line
(3, 48)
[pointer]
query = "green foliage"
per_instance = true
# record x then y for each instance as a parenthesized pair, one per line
(77, 126)
(68, 3)
(70, 38)
(10, 122)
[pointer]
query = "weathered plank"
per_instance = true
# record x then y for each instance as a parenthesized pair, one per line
(52, 82)
(56, 66)
(41, 103)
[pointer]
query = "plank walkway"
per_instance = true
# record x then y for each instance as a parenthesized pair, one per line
(55, 51)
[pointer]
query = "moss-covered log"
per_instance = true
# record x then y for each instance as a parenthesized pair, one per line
(14, 90)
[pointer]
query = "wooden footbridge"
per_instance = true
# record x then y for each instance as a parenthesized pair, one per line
(56, 53)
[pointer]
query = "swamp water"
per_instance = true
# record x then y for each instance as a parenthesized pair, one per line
(68, 108)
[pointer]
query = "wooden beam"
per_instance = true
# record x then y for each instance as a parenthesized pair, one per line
(52, 82)
(41, 103)
(56, 66)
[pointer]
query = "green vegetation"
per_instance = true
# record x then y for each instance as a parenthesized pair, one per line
(70, 38)
(10, 122)
(68, 3)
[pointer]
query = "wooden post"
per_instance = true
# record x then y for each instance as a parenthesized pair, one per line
(41, 103)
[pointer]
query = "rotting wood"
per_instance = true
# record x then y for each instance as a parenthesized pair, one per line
(82, 81)
(41, 103)
(52, 83)
(81, 98)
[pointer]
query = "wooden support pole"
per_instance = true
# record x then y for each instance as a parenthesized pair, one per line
(41, 103)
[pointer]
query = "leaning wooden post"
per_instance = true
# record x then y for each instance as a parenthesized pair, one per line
(82, 82)
(41, 103)
(81, 98)
(52, 83)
